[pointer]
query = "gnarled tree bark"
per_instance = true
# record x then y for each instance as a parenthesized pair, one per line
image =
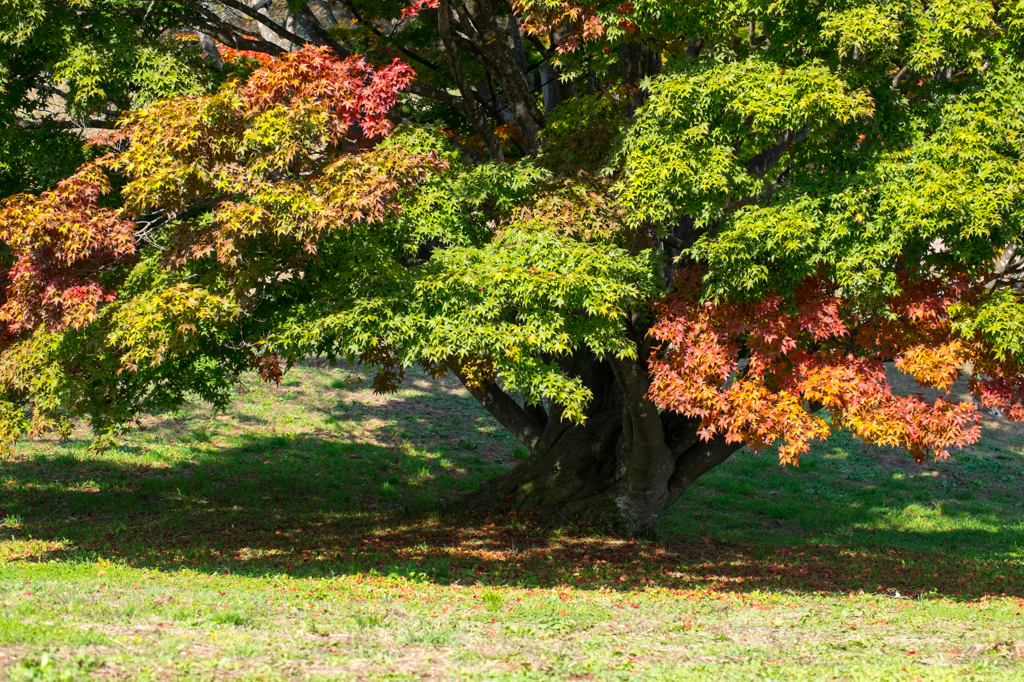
(621, 468)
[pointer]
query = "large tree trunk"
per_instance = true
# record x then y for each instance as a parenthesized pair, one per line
(621, 468)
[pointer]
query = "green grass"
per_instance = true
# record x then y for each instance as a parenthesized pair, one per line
(297, 537)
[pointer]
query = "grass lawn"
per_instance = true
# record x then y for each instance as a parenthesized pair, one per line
(293, 537)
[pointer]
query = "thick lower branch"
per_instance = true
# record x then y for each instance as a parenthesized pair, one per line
(696, 461)
(507, 411)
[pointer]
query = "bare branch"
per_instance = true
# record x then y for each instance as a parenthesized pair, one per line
(262, 19)
(102, 123)
(895, 85)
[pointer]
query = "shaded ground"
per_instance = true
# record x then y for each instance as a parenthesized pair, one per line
(294, 536)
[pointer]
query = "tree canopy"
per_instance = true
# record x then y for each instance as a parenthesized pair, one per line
(642, 234)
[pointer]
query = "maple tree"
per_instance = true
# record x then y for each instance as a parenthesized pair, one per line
(642, 234)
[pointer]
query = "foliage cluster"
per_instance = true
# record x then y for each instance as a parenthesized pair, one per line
(754, 204)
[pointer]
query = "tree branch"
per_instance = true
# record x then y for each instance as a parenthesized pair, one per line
(760, 165)
(66, 125)
(482, 26)
(697, 460)
(221, 30)
(517, 41)
(506, 410)
(316, 31)
(674, 241)
(407, 52)
(328, 12)
(895, 85)
(265, 20)
(469, 108)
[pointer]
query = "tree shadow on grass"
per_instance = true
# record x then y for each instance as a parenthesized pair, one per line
(318, 507)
